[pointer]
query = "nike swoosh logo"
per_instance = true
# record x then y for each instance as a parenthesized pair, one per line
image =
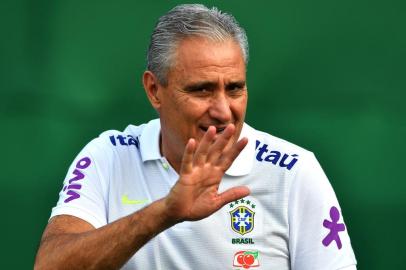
(126, 200)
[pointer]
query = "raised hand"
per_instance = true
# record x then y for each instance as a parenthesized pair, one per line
(195, 195)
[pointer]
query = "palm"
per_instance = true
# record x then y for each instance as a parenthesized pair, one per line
(195, 195)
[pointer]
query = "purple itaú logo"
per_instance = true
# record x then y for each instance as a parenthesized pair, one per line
(78, 175)
(334, 227)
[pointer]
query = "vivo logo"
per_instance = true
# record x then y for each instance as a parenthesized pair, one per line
(73, 183)
(275, 157)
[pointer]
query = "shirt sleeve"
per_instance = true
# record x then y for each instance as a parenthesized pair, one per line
(318, 236)
(83, 194)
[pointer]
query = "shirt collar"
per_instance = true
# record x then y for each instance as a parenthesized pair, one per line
(149, 141)
(242, 165)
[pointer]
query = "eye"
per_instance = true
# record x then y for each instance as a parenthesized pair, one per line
(202, 89)
(236, 88)
(201, 92)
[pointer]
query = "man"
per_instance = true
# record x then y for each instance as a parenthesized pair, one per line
(197, 188)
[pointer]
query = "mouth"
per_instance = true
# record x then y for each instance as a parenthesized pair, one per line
(219, 129)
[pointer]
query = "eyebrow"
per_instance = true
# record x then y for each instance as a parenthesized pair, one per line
(212, 85)
(232, 85)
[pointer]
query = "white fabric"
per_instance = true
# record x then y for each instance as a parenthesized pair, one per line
(288, 204)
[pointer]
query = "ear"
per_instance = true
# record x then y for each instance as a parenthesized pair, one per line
(152, 86)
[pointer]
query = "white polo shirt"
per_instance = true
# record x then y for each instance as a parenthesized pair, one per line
(291, 219)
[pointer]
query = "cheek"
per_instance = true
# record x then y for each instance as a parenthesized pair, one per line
(239, 107)
(177, 99)
(173, 106)
(192, 108)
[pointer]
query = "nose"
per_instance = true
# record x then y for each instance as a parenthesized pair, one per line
(220, 108)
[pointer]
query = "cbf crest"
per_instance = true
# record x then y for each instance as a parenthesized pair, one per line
(242, 216)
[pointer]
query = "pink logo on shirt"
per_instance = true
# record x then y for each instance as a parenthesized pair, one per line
(78, 175)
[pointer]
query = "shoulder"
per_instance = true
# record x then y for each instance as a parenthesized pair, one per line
(111, 143)
(276, 151)
(278, 143)
(128, 137)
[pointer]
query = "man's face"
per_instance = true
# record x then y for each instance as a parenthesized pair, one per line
(206, 86)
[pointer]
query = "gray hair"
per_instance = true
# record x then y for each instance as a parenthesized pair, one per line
(190, 20)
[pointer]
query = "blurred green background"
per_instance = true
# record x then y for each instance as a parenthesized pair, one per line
(326, 75)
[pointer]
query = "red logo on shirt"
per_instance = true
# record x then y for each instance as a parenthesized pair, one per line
(246, 259)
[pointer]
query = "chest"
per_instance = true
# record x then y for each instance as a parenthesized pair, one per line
(249, 233)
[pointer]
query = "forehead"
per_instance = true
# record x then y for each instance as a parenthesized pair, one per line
(198, 57)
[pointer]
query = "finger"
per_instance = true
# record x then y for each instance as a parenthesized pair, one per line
(229, 156)
(233, 194)
(204, 145)
(218, 147)
(187, 159)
